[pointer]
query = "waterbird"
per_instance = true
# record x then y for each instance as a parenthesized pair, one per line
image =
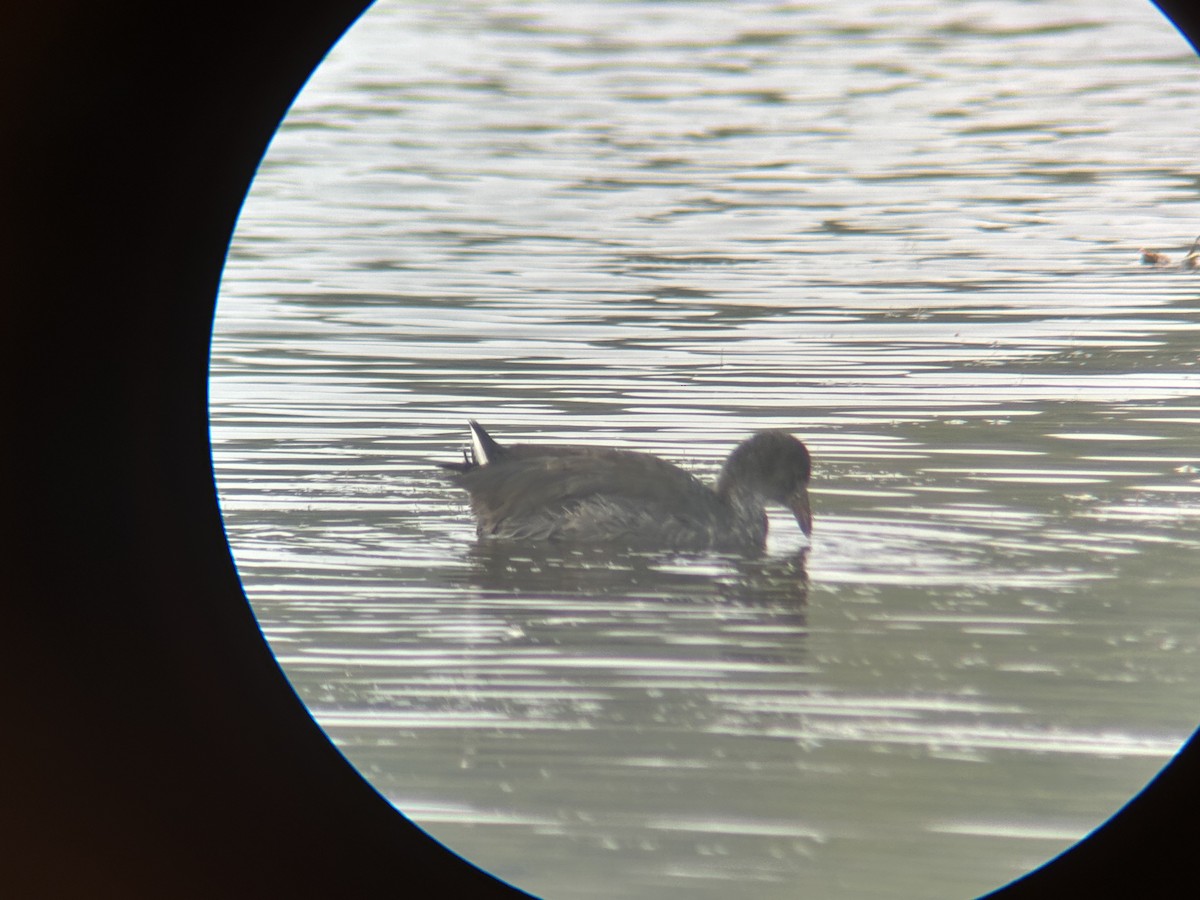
(1154, 258)
(1189, 263)
(568, 493)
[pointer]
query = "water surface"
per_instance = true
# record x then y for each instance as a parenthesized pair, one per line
(909, 234)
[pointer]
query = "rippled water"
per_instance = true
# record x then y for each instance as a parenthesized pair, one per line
(908, 233)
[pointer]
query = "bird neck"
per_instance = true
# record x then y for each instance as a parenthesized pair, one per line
(746, 506)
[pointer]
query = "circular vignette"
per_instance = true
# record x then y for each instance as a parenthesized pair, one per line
(152, 715)
(157, 749)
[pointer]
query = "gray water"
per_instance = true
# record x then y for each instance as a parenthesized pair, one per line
(908, 233)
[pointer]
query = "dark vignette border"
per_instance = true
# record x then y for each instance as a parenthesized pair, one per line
(149, 744)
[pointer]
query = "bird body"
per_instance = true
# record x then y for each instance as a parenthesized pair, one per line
(555, 492)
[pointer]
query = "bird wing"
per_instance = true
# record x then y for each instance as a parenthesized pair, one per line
(587, 492)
